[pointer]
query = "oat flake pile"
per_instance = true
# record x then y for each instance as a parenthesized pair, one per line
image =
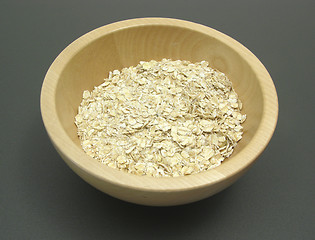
(161, 118)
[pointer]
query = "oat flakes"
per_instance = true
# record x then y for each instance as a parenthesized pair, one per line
(161, 118)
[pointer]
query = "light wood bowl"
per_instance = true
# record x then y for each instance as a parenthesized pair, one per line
(85, 63)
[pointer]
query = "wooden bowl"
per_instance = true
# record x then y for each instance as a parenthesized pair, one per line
(85, 63)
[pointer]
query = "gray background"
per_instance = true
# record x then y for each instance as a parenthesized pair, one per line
(41, 198)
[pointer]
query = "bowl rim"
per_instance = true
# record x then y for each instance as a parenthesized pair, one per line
(67, 148)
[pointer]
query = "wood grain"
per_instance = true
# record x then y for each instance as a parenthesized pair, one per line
(85, 63)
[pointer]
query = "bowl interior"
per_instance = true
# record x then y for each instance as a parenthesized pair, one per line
(127, 46)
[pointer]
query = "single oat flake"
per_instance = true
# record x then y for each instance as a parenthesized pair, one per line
(161, 118)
